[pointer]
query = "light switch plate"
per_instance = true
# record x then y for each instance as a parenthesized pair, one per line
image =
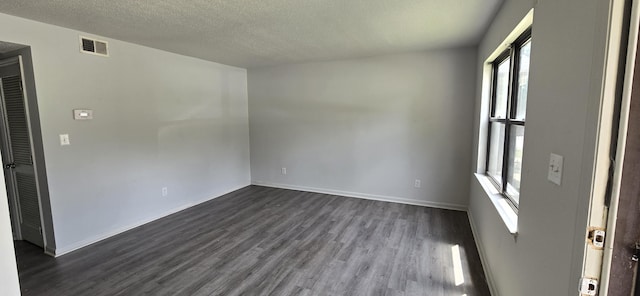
(64, 140)
(555, 169)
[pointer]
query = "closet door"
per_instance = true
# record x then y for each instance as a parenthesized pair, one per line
(17, 154)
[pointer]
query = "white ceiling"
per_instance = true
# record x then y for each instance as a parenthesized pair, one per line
(253, 33)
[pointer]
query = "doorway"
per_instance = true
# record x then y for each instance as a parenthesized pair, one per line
(22, 153)
(17, 160)
(620, 270)
(624, 277)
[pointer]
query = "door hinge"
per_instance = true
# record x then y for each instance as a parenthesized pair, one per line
(588, 287)
(21, 88)
(40, 230)
(596, 237)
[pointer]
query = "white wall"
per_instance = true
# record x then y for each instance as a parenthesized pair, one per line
(9, 284)
(160, 120)
(562, 116)
(367, 127)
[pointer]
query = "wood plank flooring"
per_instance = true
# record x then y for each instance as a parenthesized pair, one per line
(267, 241)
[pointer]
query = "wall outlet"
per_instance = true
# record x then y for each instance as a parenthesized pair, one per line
(165, 191)
(555, 169)
(417, 183)
(64, 140)
(283, 171)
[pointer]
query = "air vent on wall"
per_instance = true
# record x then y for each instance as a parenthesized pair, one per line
(93, 46)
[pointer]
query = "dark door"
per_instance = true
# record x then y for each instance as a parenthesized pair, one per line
(17, 160)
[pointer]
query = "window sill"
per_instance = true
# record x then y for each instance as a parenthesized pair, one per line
(506, 212)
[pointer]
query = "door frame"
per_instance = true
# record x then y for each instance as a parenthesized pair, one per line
(15, 216)
(631, 63)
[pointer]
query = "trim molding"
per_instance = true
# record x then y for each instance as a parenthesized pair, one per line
(50, 251)
(483, 258)
(401, 200)
(92, 240)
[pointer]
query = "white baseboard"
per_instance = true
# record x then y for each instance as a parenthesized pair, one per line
(483, 256)
(68, 249)
(408, 201)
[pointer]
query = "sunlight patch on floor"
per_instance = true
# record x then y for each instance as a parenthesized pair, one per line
(457, 265)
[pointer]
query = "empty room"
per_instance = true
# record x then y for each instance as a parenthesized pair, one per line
(322, 147)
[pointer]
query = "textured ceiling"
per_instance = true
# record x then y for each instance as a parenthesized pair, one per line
(252, 33)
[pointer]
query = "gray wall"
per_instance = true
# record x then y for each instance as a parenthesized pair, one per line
(160, 120)
(562, 116)
(367, 127)
(9, 284)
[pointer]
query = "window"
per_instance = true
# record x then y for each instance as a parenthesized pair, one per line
(510, 81)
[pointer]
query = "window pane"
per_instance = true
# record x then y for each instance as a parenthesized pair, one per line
(496, 151)
(516, 143)
(502, 89)
(523, 81)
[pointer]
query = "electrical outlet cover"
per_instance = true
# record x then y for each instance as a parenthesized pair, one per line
(555, 169)
(64, 140)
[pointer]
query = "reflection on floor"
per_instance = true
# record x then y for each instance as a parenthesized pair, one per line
(266, 241)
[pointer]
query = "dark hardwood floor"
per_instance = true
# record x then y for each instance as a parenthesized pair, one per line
(265, 241)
